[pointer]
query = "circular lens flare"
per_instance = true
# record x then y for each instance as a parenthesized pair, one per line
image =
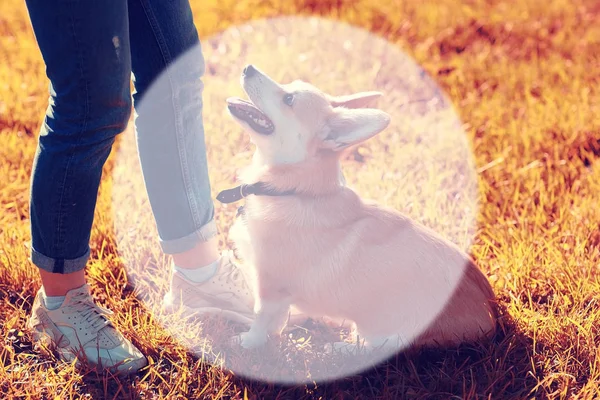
(421, 165)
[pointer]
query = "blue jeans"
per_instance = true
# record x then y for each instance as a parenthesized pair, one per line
(91, 48)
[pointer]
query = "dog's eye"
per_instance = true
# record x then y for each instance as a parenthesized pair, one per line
(288, 99)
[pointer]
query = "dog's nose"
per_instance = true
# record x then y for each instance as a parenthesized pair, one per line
(249, 70)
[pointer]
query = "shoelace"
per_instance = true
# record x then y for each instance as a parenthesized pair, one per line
(92, 314)
(234, 275)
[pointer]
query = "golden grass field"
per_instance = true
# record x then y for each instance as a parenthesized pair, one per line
(524, 79)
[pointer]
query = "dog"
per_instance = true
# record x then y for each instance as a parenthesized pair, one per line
(310, 241)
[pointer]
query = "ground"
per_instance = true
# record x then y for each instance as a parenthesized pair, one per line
(522, 77)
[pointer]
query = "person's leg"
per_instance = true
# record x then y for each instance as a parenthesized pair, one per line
(168, 65)
(170, 129)
(57, 285)
(85, 47)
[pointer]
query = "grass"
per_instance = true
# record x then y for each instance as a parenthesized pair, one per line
(522, 77)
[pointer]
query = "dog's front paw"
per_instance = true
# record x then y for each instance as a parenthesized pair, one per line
(250, 340)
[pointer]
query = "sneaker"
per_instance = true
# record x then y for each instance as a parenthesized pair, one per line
(79, 329)
(227, 293)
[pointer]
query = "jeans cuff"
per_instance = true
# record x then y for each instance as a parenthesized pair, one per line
(59, 265)
(204, 234)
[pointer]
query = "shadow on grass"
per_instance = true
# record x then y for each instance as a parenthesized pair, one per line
(500, 368)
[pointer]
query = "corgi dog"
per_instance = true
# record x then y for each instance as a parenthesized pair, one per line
(311, 242)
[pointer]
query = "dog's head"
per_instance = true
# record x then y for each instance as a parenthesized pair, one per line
(290, 123)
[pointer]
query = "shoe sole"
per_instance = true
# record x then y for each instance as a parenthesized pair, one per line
(43, 344)
(167, 307)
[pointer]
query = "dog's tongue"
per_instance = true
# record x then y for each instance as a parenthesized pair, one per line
(251, 114)
(241, 104)
(238, 101)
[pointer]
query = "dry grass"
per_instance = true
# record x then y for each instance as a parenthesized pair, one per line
(523, 78)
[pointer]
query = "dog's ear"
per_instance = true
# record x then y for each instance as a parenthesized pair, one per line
(357, 100)
(346, 127)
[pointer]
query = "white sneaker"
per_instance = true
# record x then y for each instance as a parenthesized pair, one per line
(79, 329)
(227, 293)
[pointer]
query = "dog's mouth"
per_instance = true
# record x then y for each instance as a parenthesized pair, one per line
(250, 114)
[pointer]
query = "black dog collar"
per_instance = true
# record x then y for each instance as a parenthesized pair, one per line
(258, 189)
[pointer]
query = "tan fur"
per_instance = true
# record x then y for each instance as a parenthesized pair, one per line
(331, 253)
(346, 258)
